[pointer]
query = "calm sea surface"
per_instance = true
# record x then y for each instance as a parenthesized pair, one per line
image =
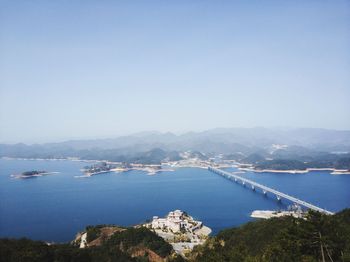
(56, 207)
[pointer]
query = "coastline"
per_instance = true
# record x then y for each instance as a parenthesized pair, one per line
(152, 169)
(296, 171)
(50, 159)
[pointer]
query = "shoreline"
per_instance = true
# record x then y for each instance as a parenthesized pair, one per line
(297, 171)
(50, 159)
(151, 170)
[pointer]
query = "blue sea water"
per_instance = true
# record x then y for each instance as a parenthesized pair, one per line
(56, 207)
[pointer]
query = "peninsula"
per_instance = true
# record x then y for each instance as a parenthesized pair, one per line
(178, 229)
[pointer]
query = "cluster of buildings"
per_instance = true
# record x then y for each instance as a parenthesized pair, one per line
(176, 221)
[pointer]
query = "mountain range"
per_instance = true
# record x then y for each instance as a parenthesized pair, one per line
(234, 142)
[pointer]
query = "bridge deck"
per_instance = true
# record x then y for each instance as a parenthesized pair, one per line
(268, 189)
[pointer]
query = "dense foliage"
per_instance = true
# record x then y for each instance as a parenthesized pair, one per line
(151, 156)
(318, 238)
(281, 164)
(117, 248)
(140, 236)
(93, 232)
(36, 251)
(283, 239)
(324, 161)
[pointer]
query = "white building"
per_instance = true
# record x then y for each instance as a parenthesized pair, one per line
(175, 221)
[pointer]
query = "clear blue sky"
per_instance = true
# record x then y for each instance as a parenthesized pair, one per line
(86, 69)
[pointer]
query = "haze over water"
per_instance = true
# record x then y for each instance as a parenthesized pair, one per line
(56, 207)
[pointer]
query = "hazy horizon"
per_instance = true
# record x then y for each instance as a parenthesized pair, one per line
(92, 69)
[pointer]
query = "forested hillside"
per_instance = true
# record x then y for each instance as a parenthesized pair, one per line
(318, 238)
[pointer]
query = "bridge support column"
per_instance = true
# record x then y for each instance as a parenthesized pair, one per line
(243, 183)
(264, 192)
(253, 188)
(278, 198)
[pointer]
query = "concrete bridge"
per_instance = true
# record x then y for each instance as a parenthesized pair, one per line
(265, 190)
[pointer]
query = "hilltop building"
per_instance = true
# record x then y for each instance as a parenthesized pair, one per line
(176, 221)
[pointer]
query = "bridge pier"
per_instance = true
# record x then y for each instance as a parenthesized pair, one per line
(278, 198)
(264, 192)
(253, 188)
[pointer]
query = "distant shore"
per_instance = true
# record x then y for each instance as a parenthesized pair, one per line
(296, 171)
(150, 169)
(50, 159)
(153, 169)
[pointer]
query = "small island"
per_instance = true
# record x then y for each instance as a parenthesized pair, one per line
(103, 167)
(97, 169)
(31, 174)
